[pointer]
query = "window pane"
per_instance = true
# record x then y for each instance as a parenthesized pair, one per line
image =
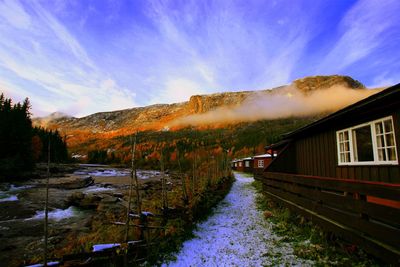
(391, 153)
(341, 137)
(346, 135)
(342, 147)
(389, 139)
(347, 157)
(346, 146)
(379, 141)
(388, 125)
(381, 155)
(363, 144)
(378, 127)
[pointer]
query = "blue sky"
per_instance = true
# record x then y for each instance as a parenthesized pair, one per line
(81, 57)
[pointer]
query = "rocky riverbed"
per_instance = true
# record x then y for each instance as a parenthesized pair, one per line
(74, 200)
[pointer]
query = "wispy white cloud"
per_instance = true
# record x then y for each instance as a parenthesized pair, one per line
(40, 50)
(368, 26)
(218, 46)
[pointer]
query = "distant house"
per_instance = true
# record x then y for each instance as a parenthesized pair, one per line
(248, 164)
(240, 165)
(343, 171)
(261, 161)
(234, 164)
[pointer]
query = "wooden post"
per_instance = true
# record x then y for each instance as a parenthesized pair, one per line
(163, 184)
(137, 189)
(46, 205)
(128, 210)
(184, 193)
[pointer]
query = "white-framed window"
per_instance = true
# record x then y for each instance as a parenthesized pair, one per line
(240, 164)
(247, 163)
(370, 143)
(260, 163)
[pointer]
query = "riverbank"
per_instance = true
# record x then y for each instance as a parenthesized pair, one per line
(87, 208)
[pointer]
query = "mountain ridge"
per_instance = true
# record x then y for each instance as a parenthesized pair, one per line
(161, 116)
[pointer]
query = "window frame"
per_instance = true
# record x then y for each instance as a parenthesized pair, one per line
(247, 164)
(260, 163)
(371, 124)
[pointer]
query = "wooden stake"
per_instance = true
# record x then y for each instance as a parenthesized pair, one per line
(133, 147)
(184, 193)
(46, 205)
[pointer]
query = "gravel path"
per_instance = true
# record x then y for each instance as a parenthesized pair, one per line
(236, 235)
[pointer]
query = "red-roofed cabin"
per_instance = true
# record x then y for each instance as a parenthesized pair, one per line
(240, 165)
(261, 161)
(248, 164)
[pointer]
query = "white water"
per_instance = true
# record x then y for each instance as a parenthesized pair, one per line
(236, 235)
(57, 214)
(8, 198)
(19, 188)
(94, 189)
(142, 174)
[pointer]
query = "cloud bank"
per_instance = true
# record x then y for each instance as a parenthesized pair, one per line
(289, 102)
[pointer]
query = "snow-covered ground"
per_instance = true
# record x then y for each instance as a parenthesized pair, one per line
(236, 235)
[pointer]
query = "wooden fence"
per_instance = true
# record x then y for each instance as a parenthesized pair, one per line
(365, 213)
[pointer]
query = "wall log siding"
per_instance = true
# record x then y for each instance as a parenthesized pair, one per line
(340, 205)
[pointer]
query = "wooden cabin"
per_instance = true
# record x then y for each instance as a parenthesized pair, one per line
(248, 164)
(234, 164)
(343, 172)
(240, 165)
(260, 162)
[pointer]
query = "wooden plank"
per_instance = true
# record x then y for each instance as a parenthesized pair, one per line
(383, 190)
(365, 172)
(381, 232)
(376, 211)
(394, 174)
(317, 156)
(384, 174)
(386, 253)
(333, 156)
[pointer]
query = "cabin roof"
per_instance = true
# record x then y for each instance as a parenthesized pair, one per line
(267, 155)
(248, 158)
(384, 99)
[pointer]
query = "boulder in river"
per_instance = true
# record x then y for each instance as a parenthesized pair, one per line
(74, 182)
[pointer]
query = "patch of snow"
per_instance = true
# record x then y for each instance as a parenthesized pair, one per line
(51, 263)
(109, 172)
(236, 235)
(101, 247)
(8, 198)
(142, 174)
(147, 213)
(18, 188)
(56, 215)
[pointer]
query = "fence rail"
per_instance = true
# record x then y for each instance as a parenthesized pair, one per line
(344, 207)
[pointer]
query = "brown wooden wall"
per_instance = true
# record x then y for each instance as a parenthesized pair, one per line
(285, 161)
(316, 155)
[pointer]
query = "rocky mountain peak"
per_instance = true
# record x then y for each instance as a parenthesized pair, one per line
(312, 83)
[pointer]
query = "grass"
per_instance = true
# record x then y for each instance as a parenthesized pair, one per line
(307, 239)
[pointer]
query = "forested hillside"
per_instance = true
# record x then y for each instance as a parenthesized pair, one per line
(23, 145)
(236, 140)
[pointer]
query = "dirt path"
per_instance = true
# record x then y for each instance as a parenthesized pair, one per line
(236, 235)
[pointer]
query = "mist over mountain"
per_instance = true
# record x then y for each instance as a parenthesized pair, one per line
(303, 97)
